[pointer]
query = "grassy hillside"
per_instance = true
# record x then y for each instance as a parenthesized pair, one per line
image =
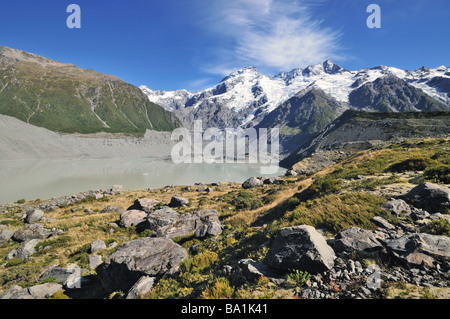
(67, 99)
(331, 200)
(357, 130)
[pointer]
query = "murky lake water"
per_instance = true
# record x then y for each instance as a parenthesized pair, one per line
(44, 179)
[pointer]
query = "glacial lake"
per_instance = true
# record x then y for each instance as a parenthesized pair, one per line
(44, 179)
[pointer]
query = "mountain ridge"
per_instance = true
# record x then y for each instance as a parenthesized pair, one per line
(67, 99)
(250, 95)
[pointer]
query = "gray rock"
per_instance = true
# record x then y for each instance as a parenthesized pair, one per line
(420, 249)
(62, 275)
(12, 254)
(418, 214)
(166, 222)
(43, 291)
(95, 261)
(26, 249)
(436, 216)
(117, 188)
(145, 204)
(141, 287)
(300, 247)
(34, 231)
(132, 218)
(111, 209)
(34, 216)
(254, 270)
(397, 206)
(141, 257)
(178, 201)
(6, 235)
(355, 239)
(98, 245)
(209, 229)
(252, 182)
(380, 221)
(291, 172)
(431, 197)
(272, 180)
(11, 292)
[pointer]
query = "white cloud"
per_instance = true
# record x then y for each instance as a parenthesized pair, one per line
(269, 34)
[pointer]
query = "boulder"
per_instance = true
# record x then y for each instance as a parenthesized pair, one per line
(166, 222)
(141, 257)
(300, 247)
(418, 214)
(34, 231)
(98, 245)
(397, 206)
(141, 287)
(383, 223)
(272, 180)
(10, 292)
(6, 235)
(43, 291)
(26, 249)
(62, 275)
(431, 197)
(355, 239)
(145, 204)
(94, 261)
(420, 249)
(178, 201)
(254, 270)
(208, 229)
(132, 218)
(252, 182)
(34, 216)
(117, 188)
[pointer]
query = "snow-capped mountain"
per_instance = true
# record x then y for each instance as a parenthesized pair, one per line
(170, 100)
(245, 97)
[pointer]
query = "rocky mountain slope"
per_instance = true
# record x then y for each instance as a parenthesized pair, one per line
(354, 131)
(20, 140)
(65, 98)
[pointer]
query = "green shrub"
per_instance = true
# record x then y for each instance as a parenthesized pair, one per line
(246, 200)
(410, 164)
(438, 174)
(437, 227)
(221, 289)
(145, 233)
(49, 280)
(322, 186)
(298, 277)
(14, 262)
(200, 261)
(60, 295)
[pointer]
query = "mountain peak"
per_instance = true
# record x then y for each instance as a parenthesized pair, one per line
(247, 71)
(327, 66)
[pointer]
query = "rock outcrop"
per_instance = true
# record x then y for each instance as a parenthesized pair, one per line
(420, 249)
(431, 197)
(141, 257)
(300, 247)
(358, 240)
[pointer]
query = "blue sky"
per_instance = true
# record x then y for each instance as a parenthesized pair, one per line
(193, 44)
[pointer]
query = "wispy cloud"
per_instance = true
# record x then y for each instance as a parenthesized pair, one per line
(269, 34)
(199, 84)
